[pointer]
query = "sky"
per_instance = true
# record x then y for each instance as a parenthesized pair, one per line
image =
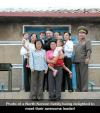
(49, 4)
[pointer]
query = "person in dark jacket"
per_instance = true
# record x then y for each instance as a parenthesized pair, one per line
(49, 38)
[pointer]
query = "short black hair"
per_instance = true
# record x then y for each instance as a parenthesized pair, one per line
(42, 32)
(38, 40)
(53, 40)
(33, 33)
(68, 33)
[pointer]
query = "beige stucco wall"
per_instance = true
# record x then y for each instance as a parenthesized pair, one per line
(10, 54)
(95, 56)
(10, 31)
(93, 30)
(13, 31)
(94, 76)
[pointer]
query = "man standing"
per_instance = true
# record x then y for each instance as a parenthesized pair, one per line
(82, 57)
(49, 37)
(42, 37)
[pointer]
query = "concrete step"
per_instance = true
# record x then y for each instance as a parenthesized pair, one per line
(64, 95)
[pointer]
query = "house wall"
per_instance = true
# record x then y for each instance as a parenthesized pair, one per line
(11, 54)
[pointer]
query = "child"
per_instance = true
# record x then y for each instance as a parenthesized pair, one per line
(57, 52)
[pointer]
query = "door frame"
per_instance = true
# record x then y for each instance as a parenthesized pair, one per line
(69, 26)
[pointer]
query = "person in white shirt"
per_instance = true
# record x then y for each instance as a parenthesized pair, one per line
(68, 51)
(25, 51)
(26, 71)
(25, 41)
(31, 47)
(32, 41)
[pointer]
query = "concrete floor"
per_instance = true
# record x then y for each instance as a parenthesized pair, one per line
(64, 95)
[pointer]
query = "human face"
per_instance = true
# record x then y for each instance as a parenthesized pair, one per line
(38, 45)
(26, 35)
(56, 34)
(42, 35)
(60, 37)
(66, 36)
(59, 43)
(49, 34)
(52, 45)
(82, 35)
(33, 38)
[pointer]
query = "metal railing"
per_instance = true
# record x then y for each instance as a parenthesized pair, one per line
(96, 43)
(10, 43)
(19, 43)
(91, 66)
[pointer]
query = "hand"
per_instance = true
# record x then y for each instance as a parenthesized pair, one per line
(87, 61)
(45, 71)
(60, 52)
(70, 74)
(32, 70)
(28, 52)
(48, 60)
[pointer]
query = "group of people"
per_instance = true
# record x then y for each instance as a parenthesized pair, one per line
(48, 59)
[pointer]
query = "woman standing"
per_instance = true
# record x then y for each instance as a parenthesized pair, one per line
(68, 50)
(31, 46)
(38, 67)
(54, 82)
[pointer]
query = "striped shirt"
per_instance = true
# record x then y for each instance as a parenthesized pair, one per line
(37, 60)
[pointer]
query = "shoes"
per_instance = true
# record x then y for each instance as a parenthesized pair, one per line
(57, 99)
(39, 98)
(70, 90)
(70, 74)
(34, 98)
(55, 72)
(52, 99)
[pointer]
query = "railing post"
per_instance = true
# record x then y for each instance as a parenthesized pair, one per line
(22, 86)
(10, 81)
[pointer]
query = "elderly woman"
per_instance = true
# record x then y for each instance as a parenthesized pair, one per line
(54, 82)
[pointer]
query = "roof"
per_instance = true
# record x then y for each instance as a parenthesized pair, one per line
(52, 13)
